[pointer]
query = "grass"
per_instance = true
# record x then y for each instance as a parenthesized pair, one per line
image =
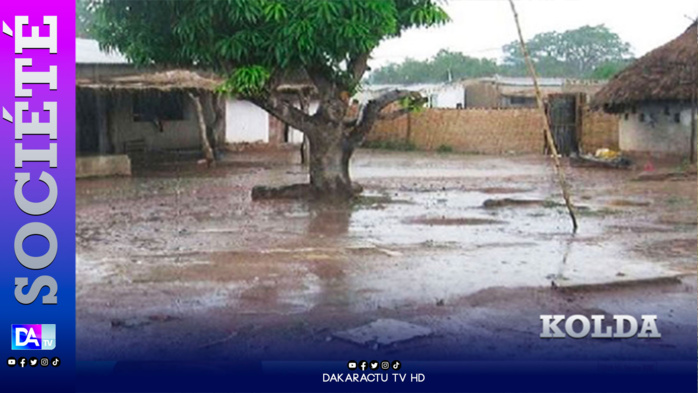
(390, 145)
(684, 166)
(603, 212)
(677, 201)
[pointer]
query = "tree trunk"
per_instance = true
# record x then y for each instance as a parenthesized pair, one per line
(329, 165)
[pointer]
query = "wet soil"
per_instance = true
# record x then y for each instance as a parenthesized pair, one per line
(178, 261)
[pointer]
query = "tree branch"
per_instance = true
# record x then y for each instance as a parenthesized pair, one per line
(357, 66)
(286, 112)
(364, 122)
(372, 111)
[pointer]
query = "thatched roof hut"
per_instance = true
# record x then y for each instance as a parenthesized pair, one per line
(666, 74)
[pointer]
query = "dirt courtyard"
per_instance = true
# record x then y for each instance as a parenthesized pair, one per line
(177, 261)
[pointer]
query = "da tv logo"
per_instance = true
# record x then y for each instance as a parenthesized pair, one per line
(33, 337)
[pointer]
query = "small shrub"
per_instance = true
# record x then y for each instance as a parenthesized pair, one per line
(391, 145)
(444, 149)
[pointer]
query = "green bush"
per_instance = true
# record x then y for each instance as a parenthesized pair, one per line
(444, 149)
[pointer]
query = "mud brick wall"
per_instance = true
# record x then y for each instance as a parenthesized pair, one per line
(485, 131)
(599, 130)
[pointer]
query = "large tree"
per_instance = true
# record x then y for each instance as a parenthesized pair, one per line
(572, 53)
(445, 66)
(262, 45)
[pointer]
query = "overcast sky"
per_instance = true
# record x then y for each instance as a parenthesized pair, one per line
(479, 28)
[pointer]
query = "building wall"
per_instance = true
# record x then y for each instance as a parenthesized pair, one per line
(97, 72)
(482, 95)
(448, 96)
(175, 135)
(487, 131)
(245, 122)
(588, 88)
(658, 132)
(277, 131)
(599, 130)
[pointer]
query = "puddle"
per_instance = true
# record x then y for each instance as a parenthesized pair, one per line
(192, 240)
(455, 221)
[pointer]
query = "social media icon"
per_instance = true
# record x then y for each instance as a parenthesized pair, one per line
(44, 362)
(396, 365)
(55, 362)
(363, 364)
(351, 365)
(374, 365)
(33, 337)
(385, 365)
(11, 362)
(33, 362)
(22, 362)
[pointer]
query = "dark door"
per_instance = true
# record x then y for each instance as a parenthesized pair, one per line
(86, 122)
(562, 112)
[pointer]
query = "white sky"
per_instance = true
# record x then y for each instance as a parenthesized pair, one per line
(479, 28)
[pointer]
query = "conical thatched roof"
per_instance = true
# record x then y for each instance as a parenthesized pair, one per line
(666, 74)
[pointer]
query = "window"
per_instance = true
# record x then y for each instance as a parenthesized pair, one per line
(642, 117)
(626, 116)
(677, 118)
(522, 101)
(159, 106)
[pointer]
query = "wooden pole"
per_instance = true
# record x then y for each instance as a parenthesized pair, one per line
(205, 145)
(304, 102)
(546, 124)
(694, 104)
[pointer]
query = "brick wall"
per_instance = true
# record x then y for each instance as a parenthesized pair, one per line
(486, 131)
(599, 130)
(490, 131)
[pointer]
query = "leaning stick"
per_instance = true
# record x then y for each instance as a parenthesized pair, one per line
(205, 145)
(546, 124)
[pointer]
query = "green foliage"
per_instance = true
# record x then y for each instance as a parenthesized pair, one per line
(609, 69)
(83, 18)
(249, 40)
(443, 67)
(413, 104)
(573, 53)
(247, 81)
(587, 52)
(444, 149)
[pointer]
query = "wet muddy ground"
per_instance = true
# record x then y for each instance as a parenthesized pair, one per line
(177, 261)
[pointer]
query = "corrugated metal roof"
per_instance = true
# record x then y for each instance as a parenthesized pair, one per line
(87, 52)
(524, 81)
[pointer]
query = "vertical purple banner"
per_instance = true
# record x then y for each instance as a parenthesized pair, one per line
(37, 195)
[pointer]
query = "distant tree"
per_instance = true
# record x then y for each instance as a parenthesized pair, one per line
(573, 53)
(609, 69)
(261, 45)
(443, 67)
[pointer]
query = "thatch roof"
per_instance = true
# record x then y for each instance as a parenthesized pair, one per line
(184, 80)
(168, 80)
(666, 74)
